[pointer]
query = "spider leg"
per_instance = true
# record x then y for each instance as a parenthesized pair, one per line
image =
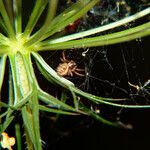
(70, 73)
(63, 55)
(63, 59)
(77, 69)
(79, 74)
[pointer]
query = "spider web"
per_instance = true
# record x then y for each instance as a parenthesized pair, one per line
(114, 67)
(115, 71)
(110, 71)
(119, 71)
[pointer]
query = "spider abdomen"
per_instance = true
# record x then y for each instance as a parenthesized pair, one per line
(68, 67)
(62, 69)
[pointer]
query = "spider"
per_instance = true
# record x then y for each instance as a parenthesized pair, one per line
(68, 67)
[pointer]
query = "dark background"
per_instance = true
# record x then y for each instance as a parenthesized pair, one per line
(82, 132)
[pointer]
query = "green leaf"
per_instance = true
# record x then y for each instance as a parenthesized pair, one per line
(101, 100)
(64, 83)
(98, 117)
(35, 111)
(70, 15)
(113, 38)
(11, 90)
(7, 123)
(50, 15)
(6, 20)
(101, 28)
(9, 8)
(24, 100)
(74, 98)
(31, 69)
(18, 136)
(2, 104)
(10, 111)
(17, 6)
(13, 69)
(30, 114)
(3, 115)
(57, 111)
(2, 69)
(29, 143)
(36, 13)
(50, 100)
(2, 26)
(49, 73)
(23, 76)
(28, 124)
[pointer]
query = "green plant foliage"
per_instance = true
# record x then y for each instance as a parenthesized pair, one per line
(17, 45)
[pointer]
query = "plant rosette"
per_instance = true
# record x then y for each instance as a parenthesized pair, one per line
(18, 44)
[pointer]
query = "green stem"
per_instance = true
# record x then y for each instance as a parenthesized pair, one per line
(31, 70)
(22, 74)
(36, 13)
(49, 73)
(51, 100)
(17, 6)
(69, 16)
(56, 111)
(113, 38)
(103, 28)
(8, 4)
(11, 90)
(99, 118)
(18, 136)
(2, 69)
(28, 141)
(6, 19)
(30, 112)
(75, 101)
(100, 100)
(2, 26)
(9, 113)
(50, 15)
(16, 89)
